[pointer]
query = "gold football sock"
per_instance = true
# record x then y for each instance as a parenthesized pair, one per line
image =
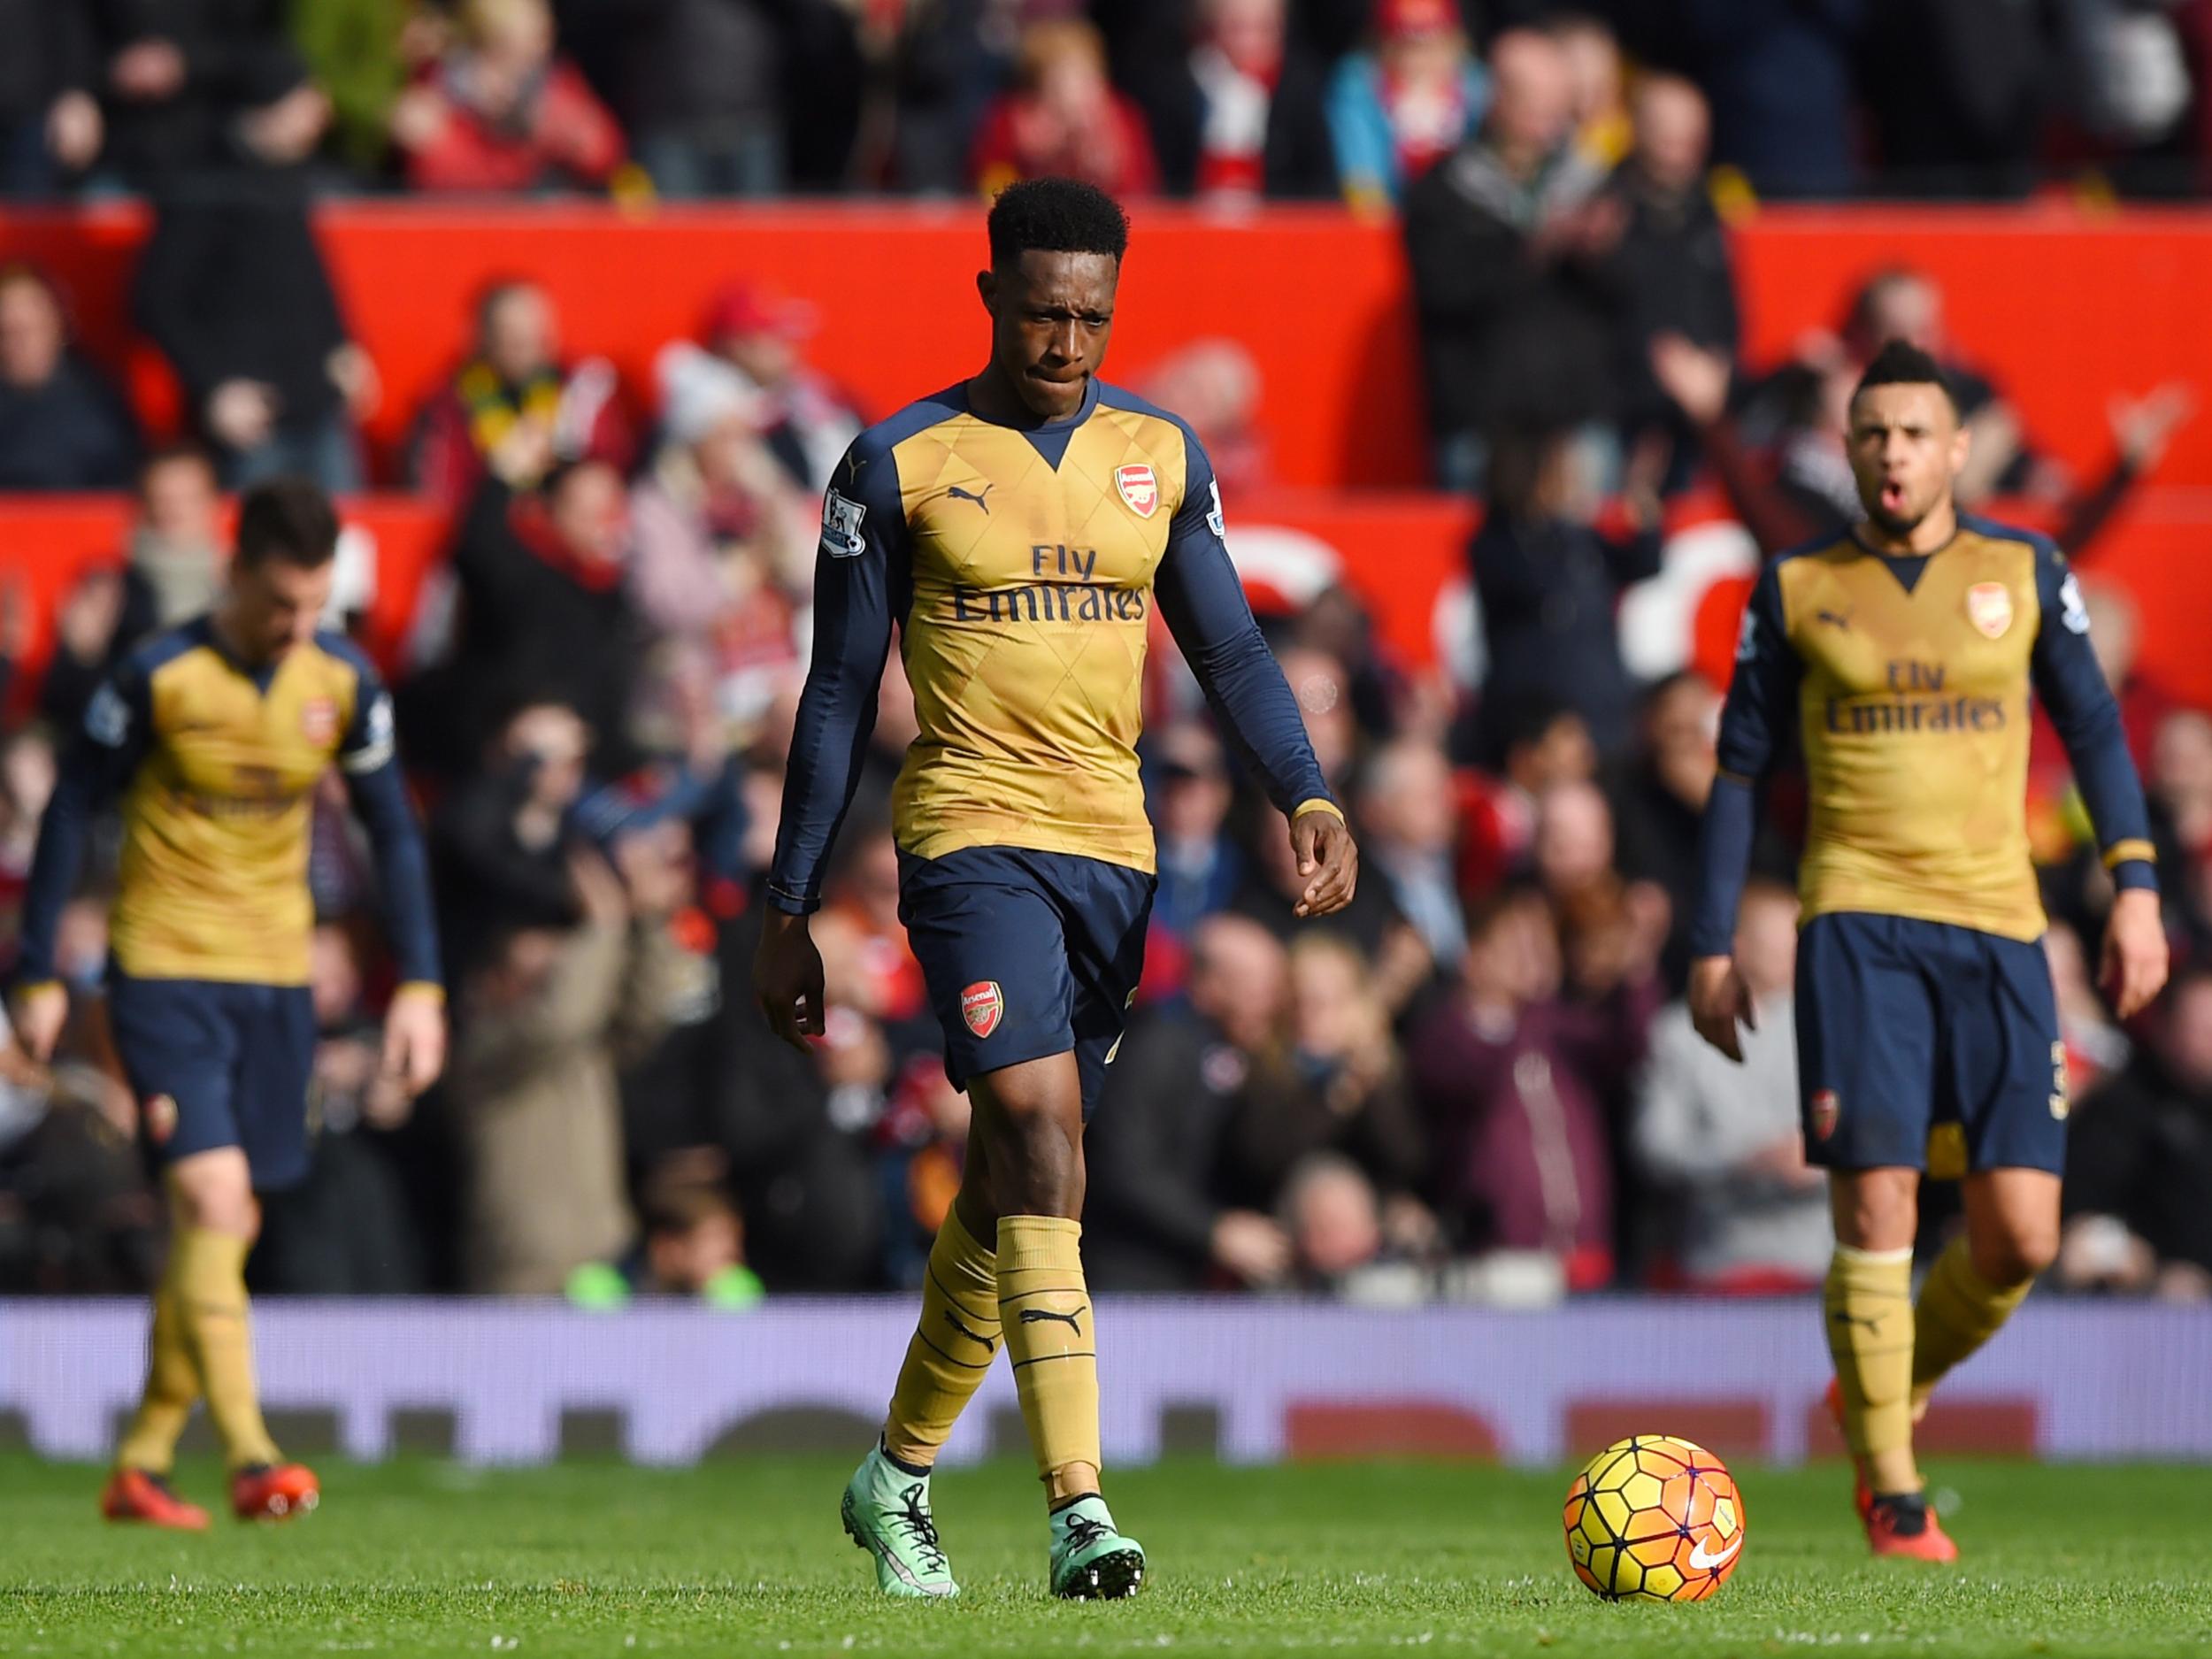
(952, 1348)
(1868, 1307)
(210, 1270)
(1045, 1309)
(171, 1387)
(1957, 1313)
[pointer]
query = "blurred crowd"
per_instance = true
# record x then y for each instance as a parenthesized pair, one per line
(1479, 1081)
(1215, 98)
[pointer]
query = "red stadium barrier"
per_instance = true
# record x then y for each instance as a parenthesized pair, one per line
(2065, 307)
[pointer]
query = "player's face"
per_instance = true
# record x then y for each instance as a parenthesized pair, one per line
(1906, 448)
(1051, 316)
(276, 604)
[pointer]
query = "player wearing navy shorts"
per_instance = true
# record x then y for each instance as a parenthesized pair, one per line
(1905, 655)
(1018, 529)
(214, 735)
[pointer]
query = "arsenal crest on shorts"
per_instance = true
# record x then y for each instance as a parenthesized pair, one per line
(1989, 607)
(1139, 488)
(1827, 1107)
(982, 1005)
(159, 1114)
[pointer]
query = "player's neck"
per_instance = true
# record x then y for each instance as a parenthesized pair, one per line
(1931, 535)
(994, 395)
(227, 635)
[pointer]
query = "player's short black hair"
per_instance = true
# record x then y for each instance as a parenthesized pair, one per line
(1899, 363)
(288, 518)
(1054, 216)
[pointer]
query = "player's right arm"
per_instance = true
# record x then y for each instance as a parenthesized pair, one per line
(860, 572)
(95, 765)
(1202, 600)
(1761, 702)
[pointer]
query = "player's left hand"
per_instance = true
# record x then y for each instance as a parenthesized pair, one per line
(1328, 862)
(414, 1037)
(2134, 968)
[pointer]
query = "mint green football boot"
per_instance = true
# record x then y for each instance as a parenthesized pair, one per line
(1091, 1560)
(886, 1512)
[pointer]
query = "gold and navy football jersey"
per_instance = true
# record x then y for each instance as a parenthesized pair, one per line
(1909, 680)
(216, 765)
(1020, 567)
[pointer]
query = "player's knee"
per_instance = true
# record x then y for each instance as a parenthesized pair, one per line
(1873, 1212)
(1036, 1164)
(215, 1195)
(2015, 1253)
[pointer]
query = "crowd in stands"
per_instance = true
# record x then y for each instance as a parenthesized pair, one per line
(1220, 99)
(1480, 1081)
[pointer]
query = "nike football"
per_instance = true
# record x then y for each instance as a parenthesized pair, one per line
(1653, 1518)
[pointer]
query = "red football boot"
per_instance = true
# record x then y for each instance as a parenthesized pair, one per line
(133, 1494)
(1905, 1527)
(1862, 1493)
(274, 1492)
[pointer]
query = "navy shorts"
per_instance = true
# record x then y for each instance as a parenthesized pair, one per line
(1027, 954)
(217, 1064)
(1903, 1025)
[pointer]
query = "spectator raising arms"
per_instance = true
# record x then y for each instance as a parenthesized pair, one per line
(501, 111)
(1064, 118)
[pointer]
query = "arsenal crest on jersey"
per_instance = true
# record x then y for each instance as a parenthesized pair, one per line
(1989, 607)
(982, 1005)
(1139, 488)
(318, 721)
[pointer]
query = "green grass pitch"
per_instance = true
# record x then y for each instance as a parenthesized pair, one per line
(747, 1558)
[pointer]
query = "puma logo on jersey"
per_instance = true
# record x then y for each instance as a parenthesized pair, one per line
(959, 493)
(1838, 619)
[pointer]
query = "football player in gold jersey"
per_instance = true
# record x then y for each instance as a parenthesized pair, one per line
(1904, 655)
(215, 735)
(1018, 529)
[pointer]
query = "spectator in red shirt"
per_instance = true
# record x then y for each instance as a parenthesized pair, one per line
(1064, 118)
(500, 111)
(514, 409)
